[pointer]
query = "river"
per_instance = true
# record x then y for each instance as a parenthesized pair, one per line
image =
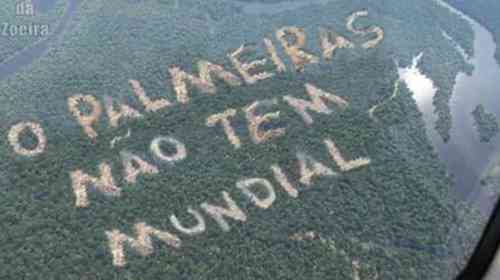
(465, 156)
(28, 55)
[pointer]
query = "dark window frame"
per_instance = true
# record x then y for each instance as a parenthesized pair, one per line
(485, 251)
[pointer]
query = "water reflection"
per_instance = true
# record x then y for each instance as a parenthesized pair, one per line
(423, 90)
(465, 156)
(422, 87)
(482, 87)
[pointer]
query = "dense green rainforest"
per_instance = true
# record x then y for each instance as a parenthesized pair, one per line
(392, 218)
(486, 123)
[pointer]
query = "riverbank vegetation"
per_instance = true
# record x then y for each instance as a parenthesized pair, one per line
(393, 217)
(490, 180)
(486, 123)
(486, 13)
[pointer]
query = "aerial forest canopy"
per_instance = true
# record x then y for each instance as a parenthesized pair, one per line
(485, 12)
(486, 123)
(232, 139)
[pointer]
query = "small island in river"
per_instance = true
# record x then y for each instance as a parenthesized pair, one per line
(486, 123)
